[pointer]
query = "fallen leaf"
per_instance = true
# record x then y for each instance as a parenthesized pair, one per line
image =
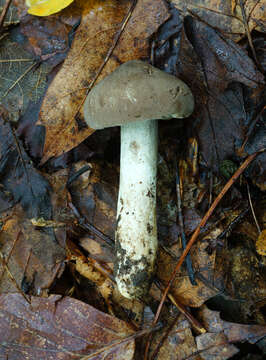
(215, 346)
(222, 59)
(21, 80)
(19, 177)
(228, 18)
(11, 17)
(203, 263)
(178, 345)
(234, 332)
(60, 328)
(221, 98)
(46, 7)
(261, 243)
(47, 39)
(32, 256)
(60, 112)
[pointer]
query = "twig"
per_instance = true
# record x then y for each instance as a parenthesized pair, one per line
(163, 339)
(181, 224)
(10, 252)
(242, 7)
(4, 12)
(83, 223)
(194, 322)
(232, 224)
(252, 210)
(19, 78)
(195, 235)
(116, 343)
(10, 275)
(251, 128)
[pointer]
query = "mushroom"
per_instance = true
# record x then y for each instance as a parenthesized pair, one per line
(134, 96)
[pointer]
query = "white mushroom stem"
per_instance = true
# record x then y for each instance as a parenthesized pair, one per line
(136, 232)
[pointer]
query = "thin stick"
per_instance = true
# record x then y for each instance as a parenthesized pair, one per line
(164, 338)
(251, 128)
(249, 36)
(4, 12)
(194, 322)
(252, 210)
(89, 227)
(193, 238)
(10, 275)
(181, 224)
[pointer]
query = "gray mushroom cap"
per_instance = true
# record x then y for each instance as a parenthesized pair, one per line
(137, 91)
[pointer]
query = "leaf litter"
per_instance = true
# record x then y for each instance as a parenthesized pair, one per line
(80, 205)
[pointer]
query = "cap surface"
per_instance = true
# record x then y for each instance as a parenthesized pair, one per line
(137, 91)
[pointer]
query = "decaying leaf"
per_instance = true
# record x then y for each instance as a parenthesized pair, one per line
(226, 15)
(11, 17)
(19, 177)
(47, 39)
(234, 332)
(178, 345)
(261, 243)
(32, 256)
(60, 328)
(182, 290)
(227, 70)
(21, 78)
(60, 112)
(215, 346)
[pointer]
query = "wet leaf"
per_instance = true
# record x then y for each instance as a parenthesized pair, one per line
(32, 255)
(21, 78)
(233, 331)
(221, 100)
(11, 17)
(178, 345)
(261, 243)
(60, 112)
(19, 177)
(203, 263)
(47, 39)
(223, 60)
(226, 15)
(215, 346)
(60, 328)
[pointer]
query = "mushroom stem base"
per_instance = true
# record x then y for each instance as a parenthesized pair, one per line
(136, 232)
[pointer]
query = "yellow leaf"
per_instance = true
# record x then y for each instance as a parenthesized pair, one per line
(46, 7)
(261, 243)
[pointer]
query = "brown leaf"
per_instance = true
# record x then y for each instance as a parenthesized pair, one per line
(47, 38)
(33, 257)
(56, 328)
(223, 102)
(215, 346)
(233, 331)
(178, 345)
(60, 112)
(261, 243)
(182, 290)
(224, 15)
(35, 254)
(223, 60)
